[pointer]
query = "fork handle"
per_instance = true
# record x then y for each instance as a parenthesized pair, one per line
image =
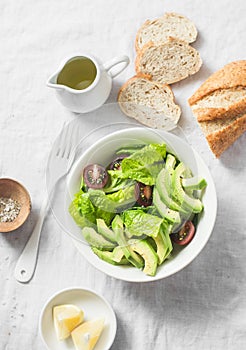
(26, 264)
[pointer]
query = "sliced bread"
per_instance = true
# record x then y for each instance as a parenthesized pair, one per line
(230, 76)
(220, 106)
(159, 30)
(222, 95)
(222, 134)
(168, 62)
(150, 103)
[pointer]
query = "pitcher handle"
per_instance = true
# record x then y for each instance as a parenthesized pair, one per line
(114, 62)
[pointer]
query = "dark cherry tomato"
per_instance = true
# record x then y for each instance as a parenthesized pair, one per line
(143, 194)
(116, 163)
(95, 176)
(185, 235)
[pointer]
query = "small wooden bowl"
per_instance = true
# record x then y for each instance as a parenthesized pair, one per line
(12, 189)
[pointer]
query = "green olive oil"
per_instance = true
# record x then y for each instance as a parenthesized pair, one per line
(78, 73)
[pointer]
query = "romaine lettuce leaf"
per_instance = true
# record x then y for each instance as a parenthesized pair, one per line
(150, 154)
(100, 200)
(139, 223)
(82, 211)
(160, 148)
(130, 149)
(85, 213)
(114, 201)
(117, 181)
(135, 170)
(123, 196)
(105, 215)
(145, 164)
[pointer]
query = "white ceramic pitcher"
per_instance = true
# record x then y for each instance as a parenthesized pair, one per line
(92, 97)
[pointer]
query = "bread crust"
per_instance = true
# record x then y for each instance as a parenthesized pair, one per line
(230, 76)
(140, 55)
(210, 114)
(220, 140)
(145, 24)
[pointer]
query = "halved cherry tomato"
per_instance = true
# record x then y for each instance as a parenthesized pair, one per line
(95, 176)
(144, 194)
(116, 163)
(185, 235)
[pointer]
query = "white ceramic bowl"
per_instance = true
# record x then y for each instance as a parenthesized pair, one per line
(102, 152)
(93, 305)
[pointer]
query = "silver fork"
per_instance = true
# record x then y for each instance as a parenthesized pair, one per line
(61, 158)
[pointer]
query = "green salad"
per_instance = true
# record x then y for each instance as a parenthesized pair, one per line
(134, 210)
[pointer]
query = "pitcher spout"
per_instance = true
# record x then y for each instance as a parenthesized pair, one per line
(52, 82)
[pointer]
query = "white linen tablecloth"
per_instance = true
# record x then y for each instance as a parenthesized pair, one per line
(204, 305)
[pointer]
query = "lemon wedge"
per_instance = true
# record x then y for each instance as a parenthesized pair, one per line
(87, 334)
(66, 318)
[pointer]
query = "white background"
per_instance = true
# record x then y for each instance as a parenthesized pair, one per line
(204, 305)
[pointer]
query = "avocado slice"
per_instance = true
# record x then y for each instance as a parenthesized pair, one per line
(166, 189)
(161, 248)
(167, 213)
(109, 257)
(105, 231)
(118, 254)
(132, 257)
(194, 183)
(96, 240)
(166, 231)
(169, 166)
(143, 248)
(163, 243)
(163, 185)
(191, 203)
(170, 161)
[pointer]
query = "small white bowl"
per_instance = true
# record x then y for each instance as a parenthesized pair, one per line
(102, 152)
(94, 306)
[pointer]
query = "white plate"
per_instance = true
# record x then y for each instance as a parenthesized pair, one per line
(102, 152)
(93, 305)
